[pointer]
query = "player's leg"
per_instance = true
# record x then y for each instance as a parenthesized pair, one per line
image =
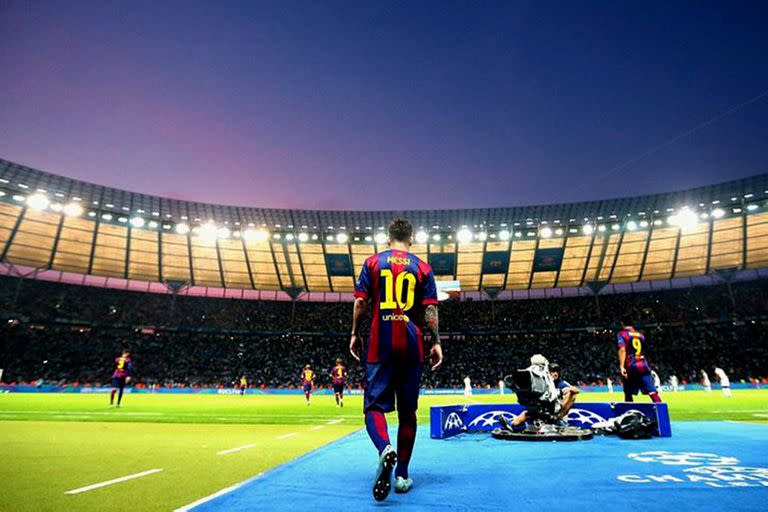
(380, 398)
(409, 380)
(120, 389)
(113, 391)
(341, 395)
(727, 391)
(648, 386)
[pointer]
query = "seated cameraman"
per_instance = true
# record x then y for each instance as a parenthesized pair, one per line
(567, 393)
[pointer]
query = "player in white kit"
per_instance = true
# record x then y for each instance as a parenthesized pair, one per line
(725, 382)
(705, 382)
(673, 382)
(656, 380)
(609, 383)
(501, 387)
(467, 387)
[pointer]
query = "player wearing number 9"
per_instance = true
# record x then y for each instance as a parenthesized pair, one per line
(399, 290)
(633, 364)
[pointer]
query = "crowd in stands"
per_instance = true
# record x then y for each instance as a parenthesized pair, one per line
(58, 332)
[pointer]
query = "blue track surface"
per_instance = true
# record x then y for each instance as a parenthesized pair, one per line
(476, 472)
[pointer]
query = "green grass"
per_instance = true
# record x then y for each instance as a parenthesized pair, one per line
(58, 442)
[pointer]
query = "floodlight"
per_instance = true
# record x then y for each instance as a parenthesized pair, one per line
(504, 235)
(421, 237)
(545, 232)
(137, 222)
(38, 201)
(342, 238)
(464, 235)
(73, 210)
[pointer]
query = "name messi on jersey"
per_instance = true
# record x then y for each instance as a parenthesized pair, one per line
(398, 260)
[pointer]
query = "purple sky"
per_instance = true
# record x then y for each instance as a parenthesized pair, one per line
(385, 104)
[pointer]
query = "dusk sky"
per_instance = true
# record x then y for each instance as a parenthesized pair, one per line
(386, 105)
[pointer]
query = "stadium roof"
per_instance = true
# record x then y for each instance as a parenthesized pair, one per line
(55, 223)
(20, 178)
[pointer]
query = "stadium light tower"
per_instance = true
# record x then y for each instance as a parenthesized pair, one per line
(464, 235)
(38, 201)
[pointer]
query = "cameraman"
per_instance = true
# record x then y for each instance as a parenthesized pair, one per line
(566, 392)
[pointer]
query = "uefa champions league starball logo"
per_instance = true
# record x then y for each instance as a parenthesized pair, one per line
(684, 458)
(491, 419)
(584, 417)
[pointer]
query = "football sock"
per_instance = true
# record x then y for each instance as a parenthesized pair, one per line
(376, 425)
(406, 437)
(112, 397)
(655, 397)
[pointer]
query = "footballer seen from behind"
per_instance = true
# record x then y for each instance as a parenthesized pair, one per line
(633, 364)
(400, 291)
(120, 377)
(338, 376)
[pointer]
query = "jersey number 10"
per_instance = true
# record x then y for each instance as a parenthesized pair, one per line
(393, 290)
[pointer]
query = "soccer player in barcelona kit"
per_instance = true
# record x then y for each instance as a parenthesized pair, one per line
(307, 379)
(338, 375)
(401, 293)
(121, 377)
(243, 385)
(633, 365)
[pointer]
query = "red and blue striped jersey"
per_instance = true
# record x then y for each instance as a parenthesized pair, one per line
(399, 285)
(123, 367)
(633, 341)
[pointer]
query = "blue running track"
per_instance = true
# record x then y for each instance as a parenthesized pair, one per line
(704, 466)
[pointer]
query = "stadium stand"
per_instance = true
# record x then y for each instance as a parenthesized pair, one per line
(196, 341)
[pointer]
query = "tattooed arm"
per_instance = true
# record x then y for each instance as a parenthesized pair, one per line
(432, 320)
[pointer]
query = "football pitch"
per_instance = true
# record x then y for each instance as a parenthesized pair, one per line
(173, 450)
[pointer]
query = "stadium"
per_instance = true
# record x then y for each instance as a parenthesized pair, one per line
(221, 292)
(429, 256)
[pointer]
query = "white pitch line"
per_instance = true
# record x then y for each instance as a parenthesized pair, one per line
(236, 449)
(317, 427)
(286, 436)
(334, 422)
(114, 481)
(222, 492)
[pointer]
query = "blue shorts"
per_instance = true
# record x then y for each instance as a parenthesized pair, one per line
(307, 387)
(639, 381)
(338, 388)
(392, 381)
(118, 382)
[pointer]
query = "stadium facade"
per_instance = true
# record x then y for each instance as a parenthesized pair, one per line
(49, 223)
